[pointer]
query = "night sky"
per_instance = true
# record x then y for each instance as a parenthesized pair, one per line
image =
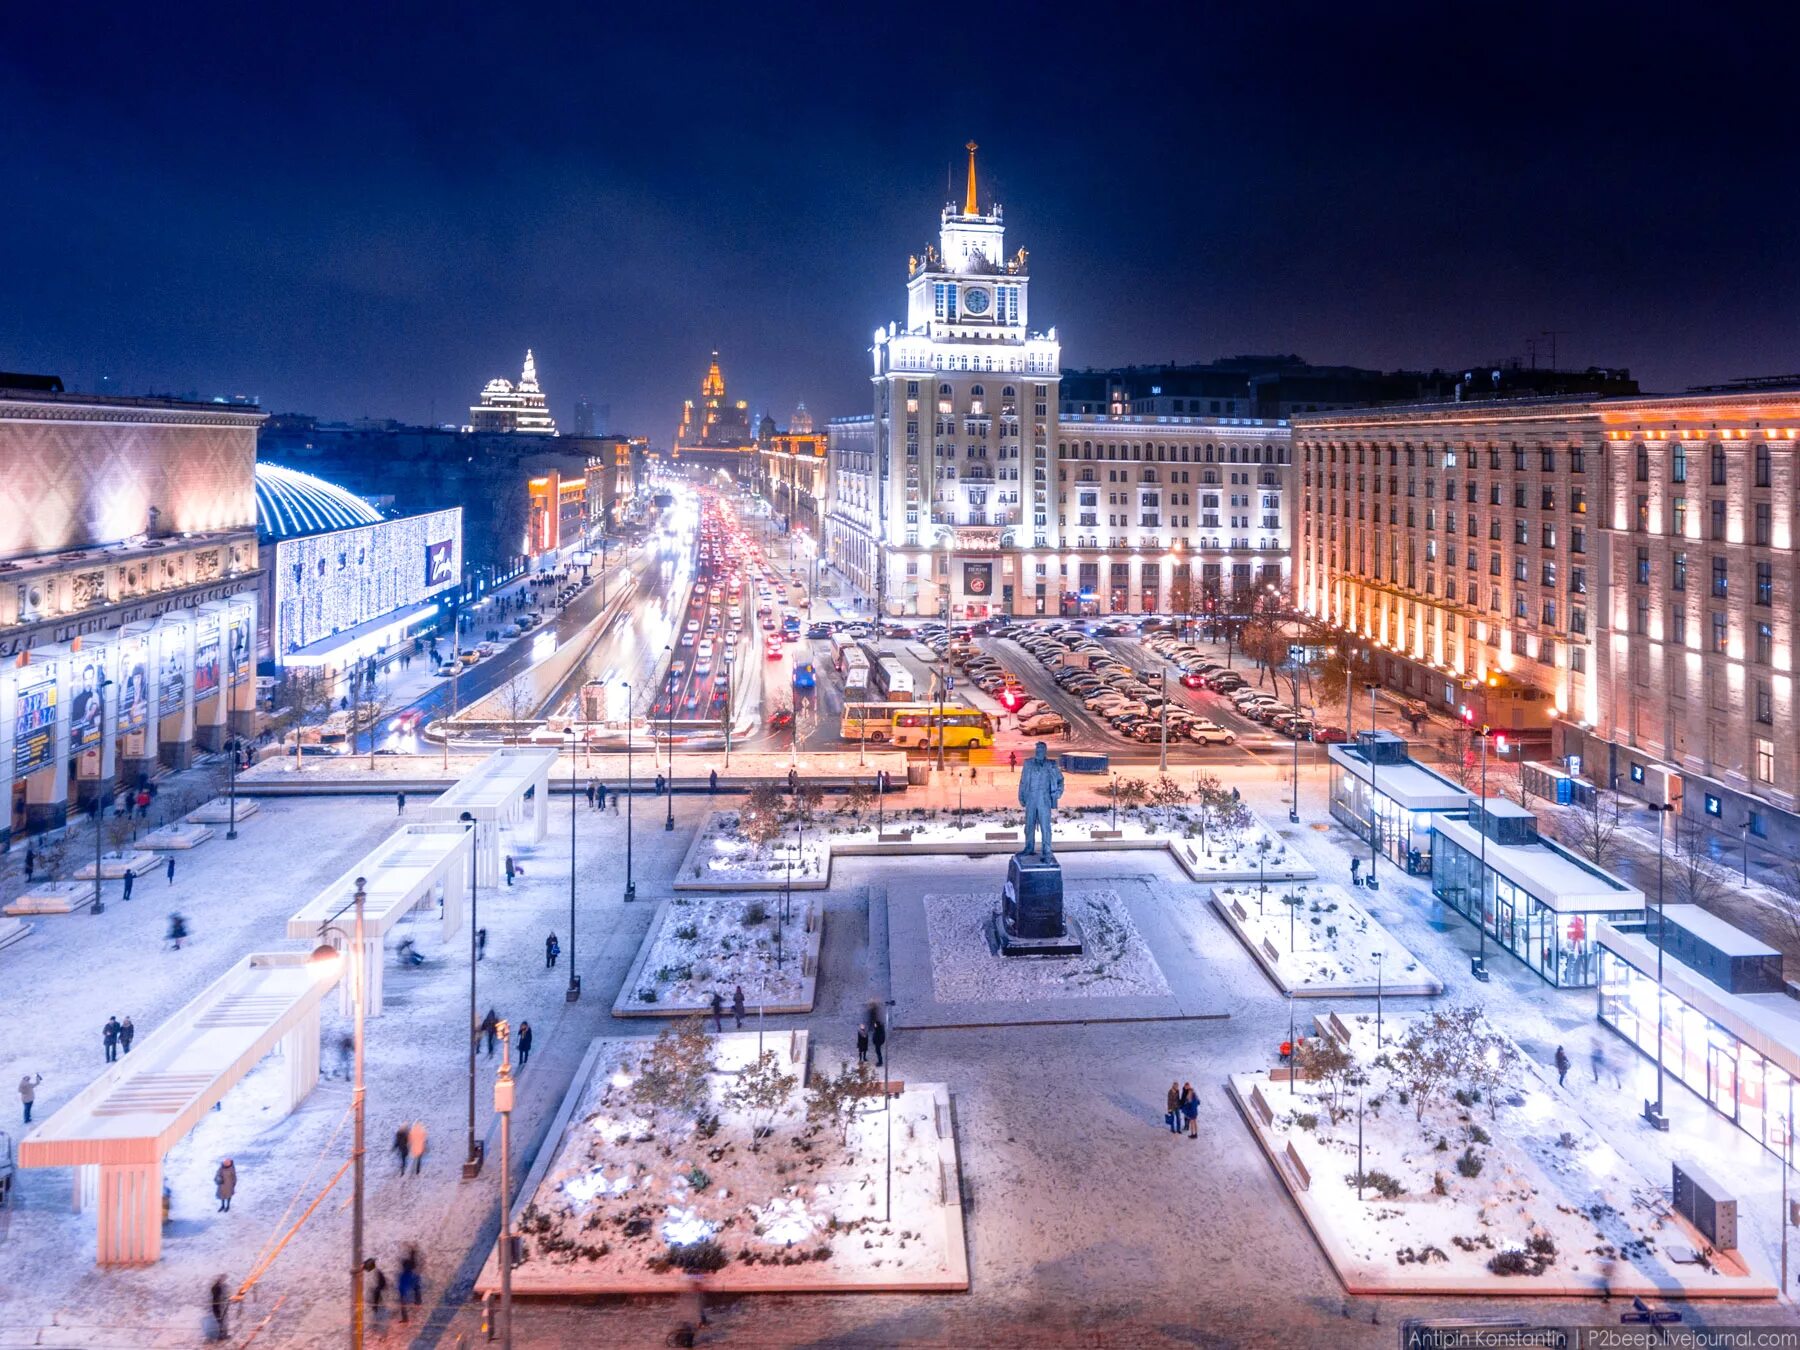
(371, 211)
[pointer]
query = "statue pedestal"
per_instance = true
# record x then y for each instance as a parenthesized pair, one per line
(1031, 920)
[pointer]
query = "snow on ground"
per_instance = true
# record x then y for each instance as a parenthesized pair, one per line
(721, 856)
(799, 1208)
(706, 945)
(1515, 1197)
(1316, 939)
(964, 966)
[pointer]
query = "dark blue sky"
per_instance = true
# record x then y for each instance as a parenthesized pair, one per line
(369, 210)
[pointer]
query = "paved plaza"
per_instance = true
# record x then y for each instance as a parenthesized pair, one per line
(1087, 1222)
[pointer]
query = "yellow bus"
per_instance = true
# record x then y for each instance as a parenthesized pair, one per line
(917, 724)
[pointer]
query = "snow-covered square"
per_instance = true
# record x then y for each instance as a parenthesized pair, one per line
(1315, 940)
(964, 966)
(700, 945)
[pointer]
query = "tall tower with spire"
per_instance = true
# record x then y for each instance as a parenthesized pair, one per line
(506, 406)
(713, 422)
(965, 426)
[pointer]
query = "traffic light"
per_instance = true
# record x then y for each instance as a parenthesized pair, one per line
(1011, 697)
(1500, 745)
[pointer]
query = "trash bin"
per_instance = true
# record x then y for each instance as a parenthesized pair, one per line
(918, 773)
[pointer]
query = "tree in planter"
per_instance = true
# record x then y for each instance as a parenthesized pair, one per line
(671, 1078)
(1168, 792)
(832, 1101)
(518, 701)
(856, 800)
(52, 856)
(302, 696)
(759, 818)
(1786, 885)
(1435, 1054)
(1591, 828)
(374, 706)
(120, 830)
(761, 1090)
(1126, 792)
(1490, 1062)
(1326, 1060)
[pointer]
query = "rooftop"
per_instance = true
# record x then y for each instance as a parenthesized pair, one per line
(1550, 873)
(1410, 785)
(290, 504)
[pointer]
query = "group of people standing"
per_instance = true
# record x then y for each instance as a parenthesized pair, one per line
(1184, 1109)
(116, 1036)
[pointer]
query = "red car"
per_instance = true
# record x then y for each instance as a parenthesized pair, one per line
(781, 720)
(1194, 680)
(1328, 735)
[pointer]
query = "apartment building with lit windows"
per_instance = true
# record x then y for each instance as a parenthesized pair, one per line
(1614, 578)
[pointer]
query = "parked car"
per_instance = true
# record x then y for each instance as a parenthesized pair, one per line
(1043, 724)
(1328, 735)
(1210, 733)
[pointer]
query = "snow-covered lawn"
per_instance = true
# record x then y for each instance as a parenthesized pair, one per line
(701, 944)
(1341, 949)
(626, 1196)
(1526, 1199)
(721, 858)
(965, 968)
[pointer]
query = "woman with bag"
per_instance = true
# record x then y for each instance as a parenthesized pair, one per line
(1172, 1117)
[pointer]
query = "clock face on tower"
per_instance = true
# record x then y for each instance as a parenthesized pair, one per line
(975, 301)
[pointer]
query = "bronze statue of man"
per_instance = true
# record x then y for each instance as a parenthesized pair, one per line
(1040, 788)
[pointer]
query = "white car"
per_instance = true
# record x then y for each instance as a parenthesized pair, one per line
(1210, 733)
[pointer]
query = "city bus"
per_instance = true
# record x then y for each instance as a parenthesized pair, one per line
(888, 678)
(917, 724)
(856, 674)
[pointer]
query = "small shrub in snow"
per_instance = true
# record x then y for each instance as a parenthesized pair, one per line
(1466, 1096)
(1308, 1120)
(1468, 1164)
(1477, 1135)
(1566, 1140)
(1387, 1187)
(647, 994)
(754, 913)
(697, 1179)
(693, 1257)
(687, 932)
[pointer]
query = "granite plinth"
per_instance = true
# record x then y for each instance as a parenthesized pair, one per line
(1031, 921)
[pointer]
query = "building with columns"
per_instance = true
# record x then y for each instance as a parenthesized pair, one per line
(128, 579)
(1614, 578)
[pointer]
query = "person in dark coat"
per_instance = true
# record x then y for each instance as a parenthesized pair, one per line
(411, 1284)
(490, 1026)
(219, 1297)
(590, 794)
(481, 944)
(661, 782)
(126, 1032)
(1562, 1065)
(30, 863)
(600, 797)
(225, 1184)
(511, 868)
(399, 803)
(524, 1042)
(170, 869)
(718, 1011)
(1190, 1109)
(130, 877)
(737, 1006)
(376, 1287)
(878, 1038)
(862, 1044)
(552, 950)
(1174, 1113)
(109, 1037)
(400, 1148)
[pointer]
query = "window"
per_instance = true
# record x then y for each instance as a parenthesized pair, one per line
(1678, 571)
(1643, 464)
(1765, 703)
(1765, 761)
(1765, 583)
(1643, 567)
(1762, 523)
(1578, 658)
(1643, 513)
(1714, 807)
(1640, 619)
(1578, 539)
(1762, 464)
(1717, 456)
(1721, 583)
(1678, 517)
(1719, 639)
(1678, 463)
(1678, 626)
(1716, 510)
(1757, 827)
(1765, 643)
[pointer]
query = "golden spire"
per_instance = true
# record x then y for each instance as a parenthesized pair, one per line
(970, 206)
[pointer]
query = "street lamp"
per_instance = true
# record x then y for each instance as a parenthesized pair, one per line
(472, 1161)
(1744, 829)
(1294, 808)
(1479, 967)
(231, 748)
(1379, 955)
(323, 955)
(574, 990)
(630, 885)
(1374, 882)
(1655, 1115)
(100, 792)
(669, 824)
(503, 1106)
(1162, 747)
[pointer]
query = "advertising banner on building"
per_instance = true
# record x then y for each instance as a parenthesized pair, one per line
(86, 702)
(440, 563)
(34, 723)
(206, 659)
(134, 685)
(978, 579)
(171, 682)
(238, 649)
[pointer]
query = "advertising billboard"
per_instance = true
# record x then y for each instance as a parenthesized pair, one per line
(171, 680)
(34, 722)
(206, 658)
(329, 583)
(134, 685)
(440, 560)
(86, 702)
(237, 649)
(978, 579)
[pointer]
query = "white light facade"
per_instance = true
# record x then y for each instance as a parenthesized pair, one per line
(506, 406)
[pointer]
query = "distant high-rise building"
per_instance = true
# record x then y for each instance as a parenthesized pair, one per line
(505, 406)
(714, 430)
(801, 423)
(584, 418)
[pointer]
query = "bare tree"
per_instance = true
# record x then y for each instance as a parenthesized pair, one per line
(761, 1090)
(1693, 877)
(1785, 883)
(518, 701)
(52, 856)
(671, 1078)
(1591, 827)
(371, 710)
(832, 1100)
(759, 818)
(302, 696)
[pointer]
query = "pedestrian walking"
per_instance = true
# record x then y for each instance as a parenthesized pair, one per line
(1595, 1060)
(862, 1043)
(737, 1006)
(600, 798)
(1604, 1065)
(718, 1011)
(878, 1038)
(415, 1144)
(490, 1026)
(1172, 1117)
(1190, 1109)
(109, 1037)
(219, 1298)
(346, 1048)
(400, 1143)
(661, 783)
(481, 944)
(712, 781)
(523, 1041)
(130, 877)
(169, 870)
(30, 862)
(410, 1285)
(1356, 871)
(794, 782)
(1562, 1065)
(28, 1085)
(376, 1286)
(552, 950)
(225, 1184)
(511, 869)
(126, 1032)
(399, 803)
(1012, 760)
(177, 930)
(590, 794)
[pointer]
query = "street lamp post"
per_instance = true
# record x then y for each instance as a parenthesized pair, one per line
(630, 885)
(1374, 882)
(473, 1159)
(100, 788)
(1162, 747)
(1480, 967)
(1655, 1116)
(358, 976)
(669, 736)
(1744, 829)
(1378, 991)
(1294, 809)
(574, 990)
(503, 1106)
(231, 748)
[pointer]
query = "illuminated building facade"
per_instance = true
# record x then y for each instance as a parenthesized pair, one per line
(1619, 570)
(790, 474)
(520, 407)
(715, 432)
(128, 578)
